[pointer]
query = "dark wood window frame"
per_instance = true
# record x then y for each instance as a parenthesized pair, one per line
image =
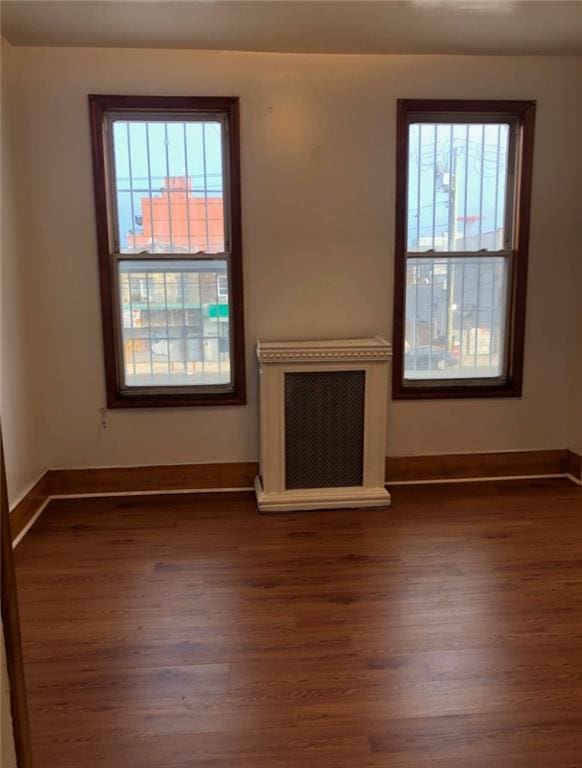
(101, 107)
(466, 111)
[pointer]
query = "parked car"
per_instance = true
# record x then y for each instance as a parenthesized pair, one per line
(429, 359)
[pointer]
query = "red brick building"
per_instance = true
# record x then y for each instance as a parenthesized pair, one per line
(180, 219)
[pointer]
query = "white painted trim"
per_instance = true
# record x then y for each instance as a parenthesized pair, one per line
(574, 479)
(159, 492)
(320, 498)
(480, 479)
(472, 453)
(341, 350)
(276, 360)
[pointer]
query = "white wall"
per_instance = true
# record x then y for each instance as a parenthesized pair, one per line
(19, 375)
(318, 136)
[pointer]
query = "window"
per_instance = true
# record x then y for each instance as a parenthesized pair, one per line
(167, 188)
(222, 288)
(462, 227)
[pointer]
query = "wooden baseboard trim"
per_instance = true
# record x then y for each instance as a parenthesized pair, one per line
(574, 466)
(175, 477)
(184, 478)
(26, 509)
(465, 466)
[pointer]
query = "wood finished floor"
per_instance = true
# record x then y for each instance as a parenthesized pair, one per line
(178, 631)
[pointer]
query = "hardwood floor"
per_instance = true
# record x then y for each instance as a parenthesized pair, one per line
(174, 631)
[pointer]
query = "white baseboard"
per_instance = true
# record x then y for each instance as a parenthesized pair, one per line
(494, 479)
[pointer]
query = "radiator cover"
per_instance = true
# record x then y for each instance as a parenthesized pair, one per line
(323, 424)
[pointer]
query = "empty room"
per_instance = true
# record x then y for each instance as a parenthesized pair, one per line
(291, 383)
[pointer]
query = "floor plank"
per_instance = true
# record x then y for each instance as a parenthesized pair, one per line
(173, 631)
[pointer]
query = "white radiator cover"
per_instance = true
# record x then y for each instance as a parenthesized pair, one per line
(316, 428)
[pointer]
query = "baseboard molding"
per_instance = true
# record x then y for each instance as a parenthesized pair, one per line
(574, 466)
(110, 481)
(174, 477)
(185, 478)
(465, 466)
(28, 507)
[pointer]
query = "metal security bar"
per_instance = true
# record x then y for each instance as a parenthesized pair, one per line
(170, 237)
(169, 186)
(174, 323)
(459, 250)
(459, 196)
(166, 173)
(455, 318)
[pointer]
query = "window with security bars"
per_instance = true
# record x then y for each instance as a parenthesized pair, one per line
(168, 218)
(463, 192)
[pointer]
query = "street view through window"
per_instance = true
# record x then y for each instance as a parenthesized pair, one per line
(458, 250)
(169, 196)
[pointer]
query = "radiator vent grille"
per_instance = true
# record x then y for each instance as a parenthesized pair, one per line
(324, 429)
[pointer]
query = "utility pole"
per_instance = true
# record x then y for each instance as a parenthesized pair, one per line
(451, 244)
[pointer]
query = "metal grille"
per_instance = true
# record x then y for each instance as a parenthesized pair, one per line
(324, 429)
(458, 181)
(175, 322)
(459, 241)
(455, 317)
(172, 257)
(169, 186)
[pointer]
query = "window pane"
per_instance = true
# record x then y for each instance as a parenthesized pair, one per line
(175, 323)
(169, 186)
(457, 186)
(455, 318)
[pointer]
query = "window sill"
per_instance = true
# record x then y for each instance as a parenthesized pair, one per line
(189, 400)
(401, 391)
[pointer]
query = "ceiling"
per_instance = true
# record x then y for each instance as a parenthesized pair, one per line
(311, 26)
